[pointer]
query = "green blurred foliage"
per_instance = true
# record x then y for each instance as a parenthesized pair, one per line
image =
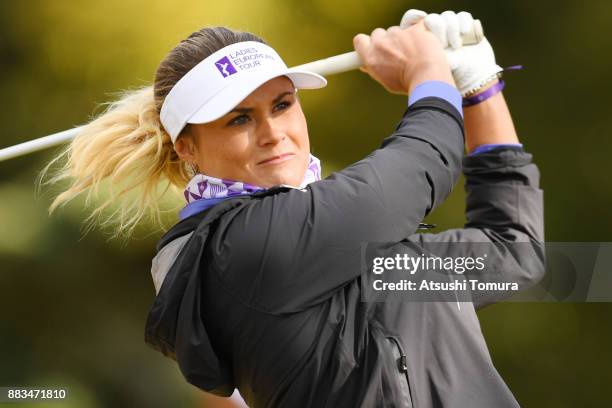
(73, 307)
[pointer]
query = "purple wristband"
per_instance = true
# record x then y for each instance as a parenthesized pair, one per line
(495, 89)
(490, 146)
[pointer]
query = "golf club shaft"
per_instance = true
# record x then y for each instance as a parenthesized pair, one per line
(327, 66)
(38, 144)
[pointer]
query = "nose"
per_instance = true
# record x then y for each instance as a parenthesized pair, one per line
(269, 132)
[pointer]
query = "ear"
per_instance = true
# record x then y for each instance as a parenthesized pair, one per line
(185, 148)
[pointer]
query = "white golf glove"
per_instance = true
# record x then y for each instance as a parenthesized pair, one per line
(472, 66)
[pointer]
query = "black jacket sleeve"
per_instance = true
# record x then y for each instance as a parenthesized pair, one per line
(287, 251)
(505, 214)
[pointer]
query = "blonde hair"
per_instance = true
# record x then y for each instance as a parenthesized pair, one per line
(126, 148)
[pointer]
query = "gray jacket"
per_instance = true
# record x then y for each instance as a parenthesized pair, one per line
(263, 292)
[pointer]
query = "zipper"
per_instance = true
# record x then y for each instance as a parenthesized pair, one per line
(402, 367)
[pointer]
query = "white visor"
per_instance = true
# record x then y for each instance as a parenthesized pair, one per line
(221, 81)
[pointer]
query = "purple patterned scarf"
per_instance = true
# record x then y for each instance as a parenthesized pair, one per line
(204, 191)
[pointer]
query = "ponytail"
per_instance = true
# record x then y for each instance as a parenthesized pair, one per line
(128, 148)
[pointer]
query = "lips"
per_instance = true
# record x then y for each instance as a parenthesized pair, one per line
(277, 159)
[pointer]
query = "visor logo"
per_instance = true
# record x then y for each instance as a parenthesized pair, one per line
(225, 67)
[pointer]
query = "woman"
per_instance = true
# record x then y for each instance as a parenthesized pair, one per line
(258, 286)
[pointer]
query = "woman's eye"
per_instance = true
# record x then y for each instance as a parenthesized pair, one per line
(239, 120)
(282, 105)
(243, 119)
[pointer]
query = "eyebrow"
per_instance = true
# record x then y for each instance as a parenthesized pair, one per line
(277, 99)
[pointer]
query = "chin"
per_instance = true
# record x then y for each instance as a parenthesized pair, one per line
(290, 172)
